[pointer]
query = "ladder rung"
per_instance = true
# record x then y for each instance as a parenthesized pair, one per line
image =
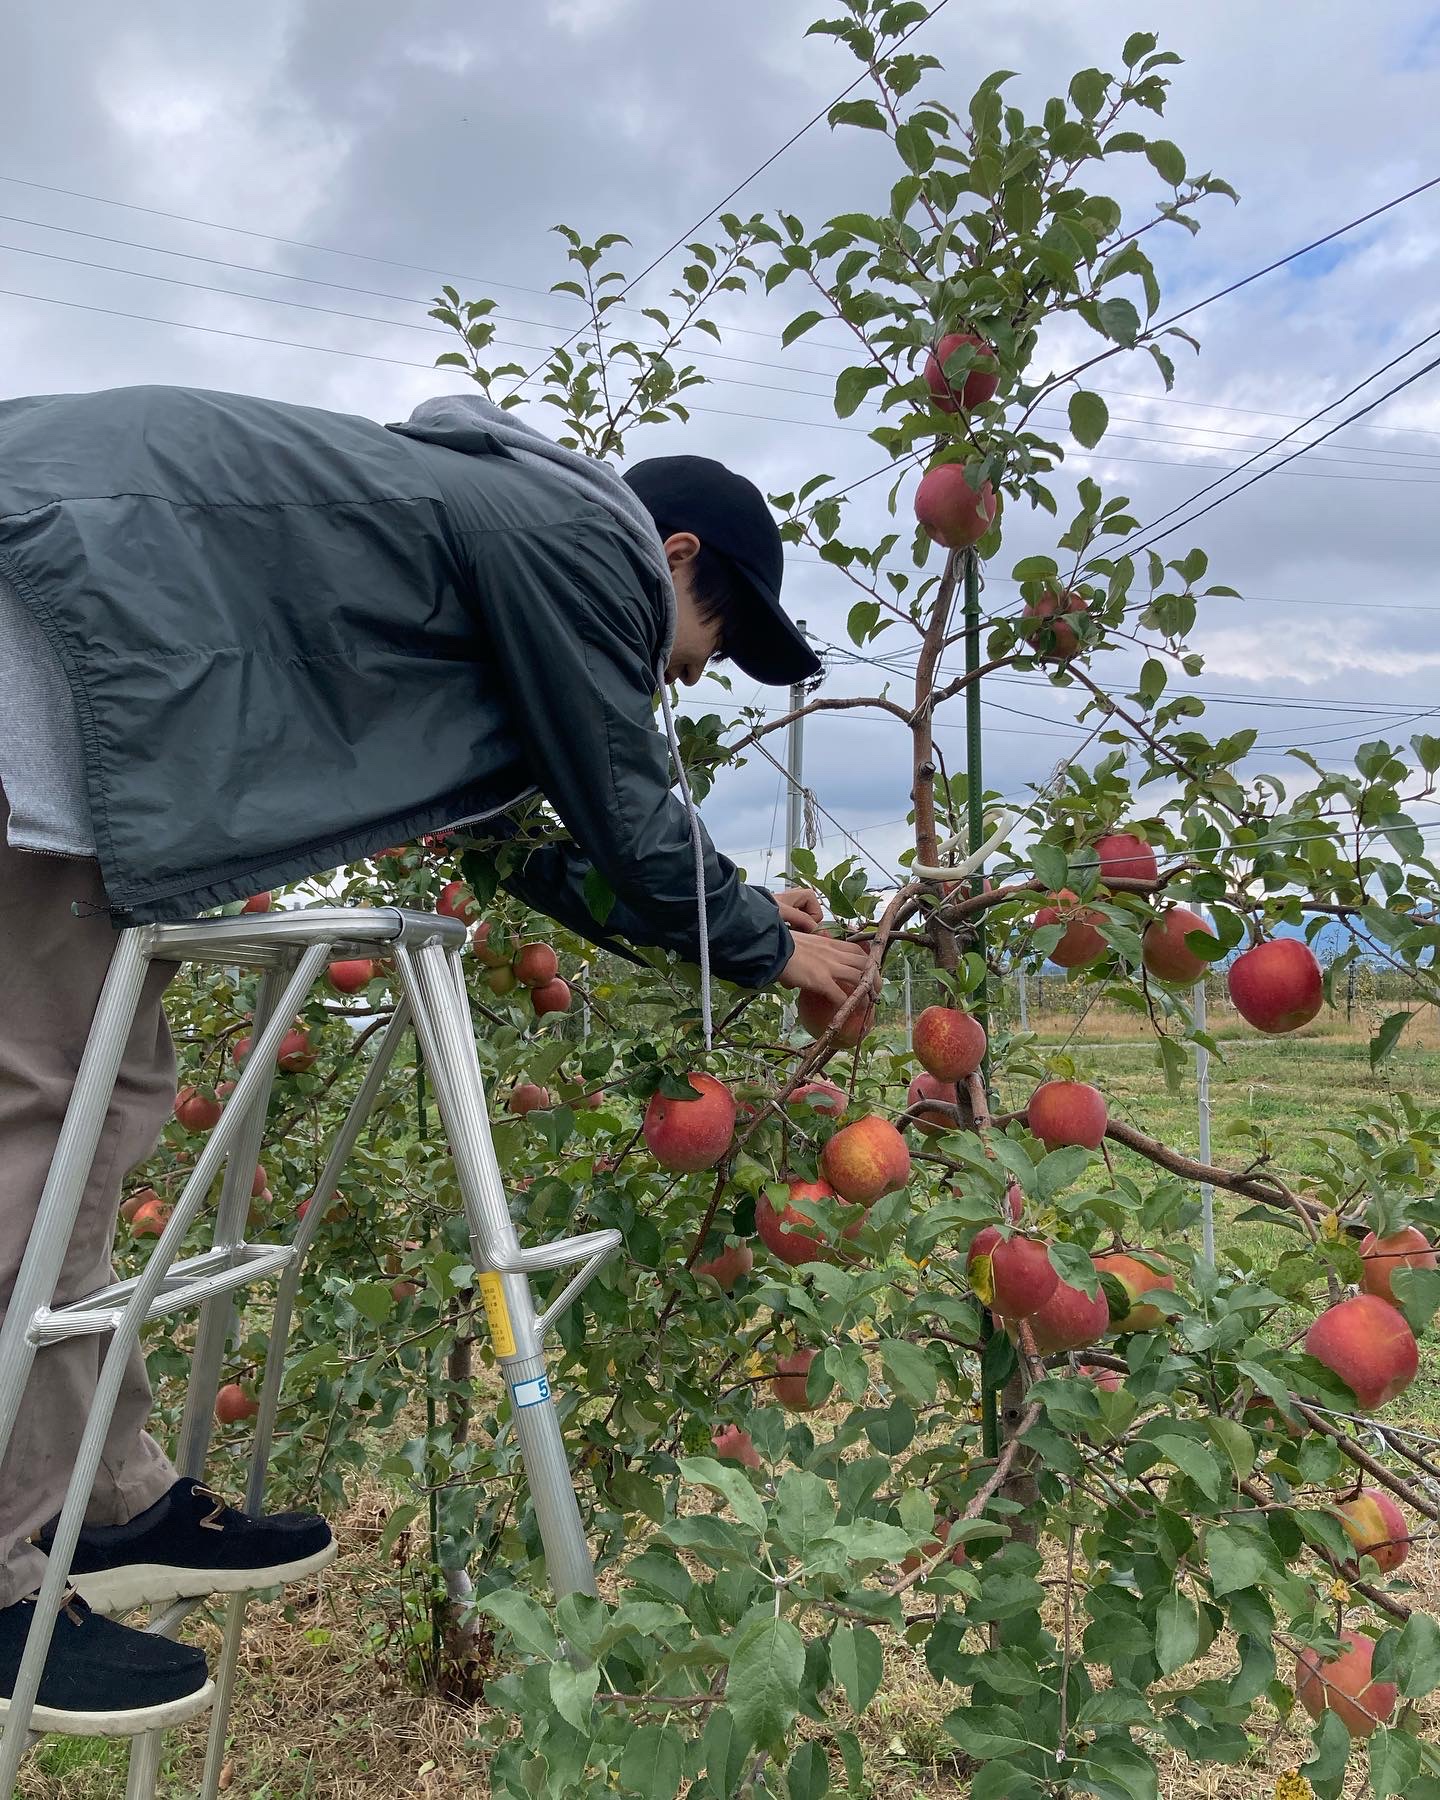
(188, 1283)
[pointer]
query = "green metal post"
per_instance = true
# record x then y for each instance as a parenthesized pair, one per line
(980, 1000)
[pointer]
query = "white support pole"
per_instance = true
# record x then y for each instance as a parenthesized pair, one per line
(795, 771)
(1202, 1096)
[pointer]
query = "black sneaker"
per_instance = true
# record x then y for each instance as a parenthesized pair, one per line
(191, 1543)
(102, 1679)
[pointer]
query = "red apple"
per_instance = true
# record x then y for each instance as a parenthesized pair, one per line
(259, 1181)
(334, 1213)
(1050, 637)
(1403, 1249)
(1015, 1201)
(1343, 1685)
(258, 903)
(526, 1097)
(932, 1119)
(1166, 954)
(1376, 1527)
(1136, 1279)
(480, 944)
(351, 977)
(1367, 1343)
(968, 390)
(816, 1014)
(501, 981)
(822, 1097)
(1125, 857)
(728, 1265)
(296, 1052)
(686, 1135)
(1070, 1320)
(787, 1234)
(865, 1160)
(1080, 943)
(141, 1197)
(1109, 1379)
(951, 512)
(535, 965)
(1277, 986)
(457, 902)
(731, 1444)
(949, 1044)
(789, 1381)
(150, 1218)
(232, 1404)
(1068, 1112)
(196, 1111)
(553, 997)
(1020, 1278)
(957, 1556)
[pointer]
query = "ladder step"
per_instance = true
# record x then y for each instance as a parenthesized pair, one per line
(188, 1283)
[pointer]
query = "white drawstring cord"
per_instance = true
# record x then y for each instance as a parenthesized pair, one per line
(698, 841)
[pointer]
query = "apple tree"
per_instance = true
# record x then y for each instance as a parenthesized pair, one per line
(913, 1349)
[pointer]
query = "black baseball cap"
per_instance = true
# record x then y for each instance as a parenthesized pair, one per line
(729, 515)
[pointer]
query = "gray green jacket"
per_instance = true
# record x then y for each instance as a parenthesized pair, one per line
(292, 638)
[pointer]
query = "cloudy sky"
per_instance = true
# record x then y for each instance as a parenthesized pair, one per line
(183, 188)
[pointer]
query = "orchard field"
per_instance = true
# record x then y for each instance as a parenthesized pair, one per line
(920, 1449)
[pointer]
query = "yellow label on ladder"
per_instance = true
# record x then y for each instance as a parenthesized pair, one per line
(492, 1292)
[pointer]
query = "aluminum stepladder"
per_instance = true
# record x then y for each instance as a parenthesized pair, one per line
(291, 949)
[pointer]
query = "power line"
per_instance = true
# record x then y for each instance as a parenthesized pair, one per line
(1272, 468)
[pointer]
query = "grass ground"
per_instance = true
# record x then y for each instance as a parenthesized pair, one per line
(324, 1708)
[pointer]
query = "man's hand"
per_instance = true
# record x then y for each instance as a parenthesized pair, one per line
(800, 909)
(826, 966)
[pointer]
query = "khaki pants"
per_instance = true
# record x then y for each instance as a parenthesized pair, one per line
(52, 965)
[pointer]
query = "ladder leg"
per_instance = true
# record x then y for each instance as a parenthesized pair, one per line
(70, 1169)
(143, 1776)
(112, 1372)
(219, 1313)
(434, 981)
(339, 1154)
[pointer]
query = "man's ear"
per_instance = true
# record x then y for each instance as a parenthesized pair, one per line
(681, 547)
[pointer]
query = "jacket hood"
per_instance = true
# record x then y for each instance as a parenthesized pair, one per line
(478, 427)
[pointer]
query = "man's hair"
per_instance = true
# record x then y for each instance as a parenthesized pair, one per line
(718, 587)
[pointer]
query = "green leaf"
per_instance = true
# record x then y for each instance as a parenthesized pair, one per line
(1166, 161)
(653, 1761)
(864, 113)
(798, 327)
(1239, 1557)
(916, 146)
(1417, 1656)
(1153, 677)
(1235, 1442)
(1195, 1460)
(863, 618)
(1051, 865)
(858, 1663)
(1394, 1762)
(572, 1690)
(373, 1299)
(1119, 320)
(762, 1688)
(725, 1752)
(1088, 89)
(399, 1520)
(804, 1511)
(808, 1775)
(1386, 1038)
(1138, 44)
(871, 1540)
(1177, 1631)
(729, 1482)
(523, 1618)
(1089, 417)
(909, 1369)
(1418, 1291)
(599, 895)
(1035, 568)
(853, 384)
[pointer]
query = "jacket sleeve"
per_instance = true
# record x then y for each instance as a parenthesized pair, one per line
(574, 639)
